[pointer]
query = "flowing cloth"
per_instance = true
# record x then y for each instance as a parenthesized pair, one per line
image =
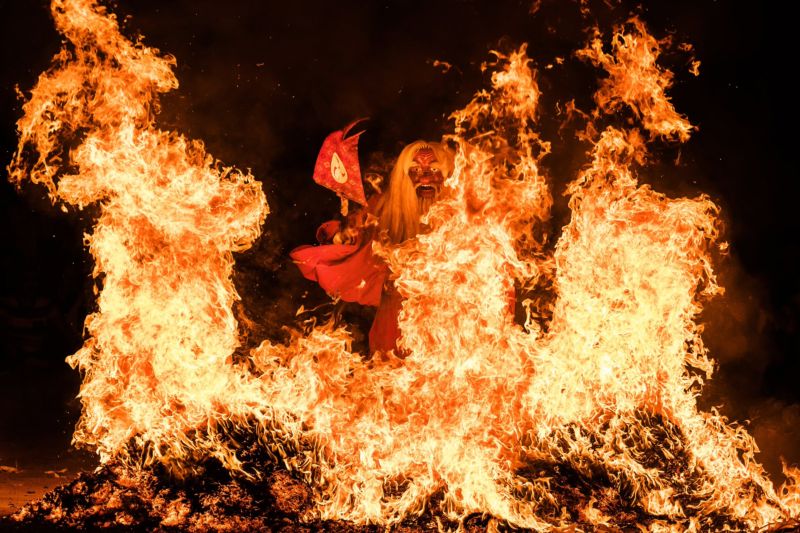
(354, 274)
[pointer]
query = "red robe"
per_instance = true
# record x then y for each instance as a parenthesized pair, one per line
(354, 274)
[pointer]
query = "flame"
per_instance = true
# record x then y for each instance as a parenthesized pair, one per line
(635, 80)
(483, 414)
(157, 357)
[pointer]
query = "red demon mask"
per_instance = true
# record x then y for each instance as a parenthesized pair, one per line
(426, 177)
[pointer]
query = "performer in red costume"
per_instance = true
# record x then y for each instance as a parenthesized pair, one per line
(344, 264)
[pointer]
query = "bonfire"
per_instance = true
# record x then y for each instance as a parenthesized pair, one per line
(583, 415)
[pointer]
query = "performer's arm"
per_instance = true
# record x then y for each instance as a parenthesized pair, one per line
(343, 232)
(328, 230)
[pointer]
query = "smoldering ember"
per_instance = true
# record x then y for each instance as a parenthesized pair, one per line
(537, 359)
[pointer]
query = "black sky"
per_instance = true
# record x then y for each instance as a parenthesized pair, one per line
(262, 83)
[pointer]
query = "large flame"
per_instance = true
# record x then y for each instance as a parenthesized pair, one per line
(157, 358)
(482, 411)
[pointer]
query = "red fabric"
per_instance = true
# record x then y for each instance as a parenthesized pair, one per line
(327, 231)
(348, 271)
(384, 332)
(354, 274)
(337, 165)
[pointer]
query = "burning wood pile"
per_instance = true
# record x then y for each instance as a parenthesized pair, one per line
(585, 416)
(151, 499)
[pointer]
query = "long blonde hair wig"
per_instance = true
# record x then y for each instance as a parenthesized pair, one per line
(398, 210)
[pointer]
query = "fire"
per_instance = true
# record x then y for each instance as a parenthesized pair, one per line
(635, 79)
(483, 415)
(157, 358)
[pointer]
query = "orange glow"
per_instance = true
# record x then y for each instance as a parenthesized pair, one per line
(483, 410)
(157, 358)
(635, 80)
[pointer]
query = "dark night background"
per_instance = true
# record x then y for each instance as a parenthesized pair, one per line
(262, 83)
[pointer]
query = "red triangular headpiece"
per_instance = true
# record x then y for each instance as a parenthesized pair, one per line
(337, 165)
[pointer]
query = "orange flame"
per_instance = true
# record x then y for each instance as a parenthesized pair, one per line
(635, 79)
(157, 359)
(480, 400)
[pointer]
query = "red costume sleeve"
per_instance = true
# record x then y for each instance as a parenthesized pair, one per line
(385, 331)
(327, 231)
(348, 271)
